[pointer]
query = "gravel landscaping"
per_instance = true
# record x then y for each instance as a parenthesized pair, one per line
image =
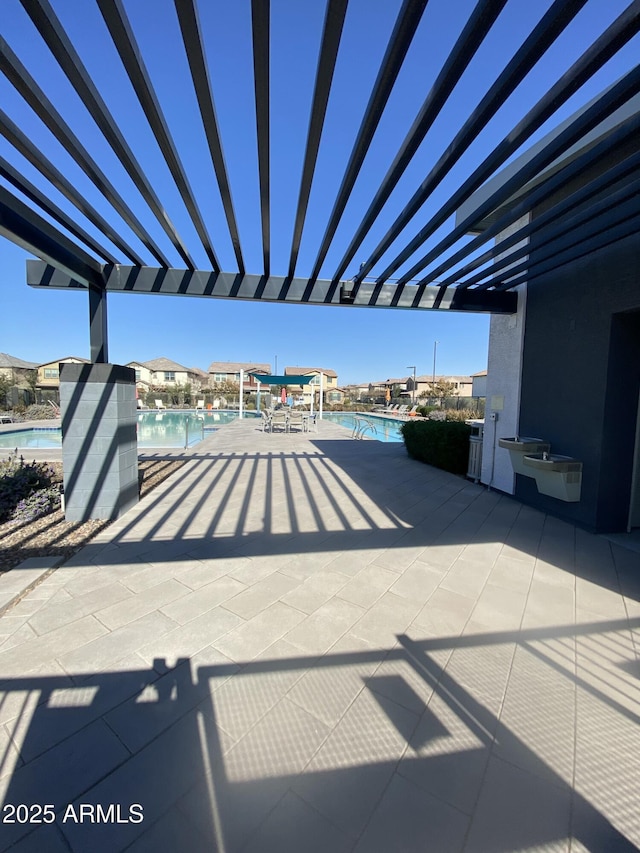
(51, 535)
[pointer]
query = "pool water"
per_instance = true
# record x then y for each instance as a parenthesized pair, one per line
(382, 429)
(180, 429)
(155, 429)
(185, 429)
(38, 437)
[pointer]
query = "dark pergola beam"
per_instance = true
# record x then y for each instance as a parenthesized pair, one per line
(553, 225)
(120, 30)
(27, 189)
(229, 285)
(606, 104)
(618, 34)
(23, 144)
(606, 236)
(559, 237)
(25, 84)
(331, 35)
(260, 27)
(194, 46)
(56, 39)
(27, 229)
(602, 152)
(603, 107)
(98, 334)
(551, 25)
(475, 30)
(405, 28)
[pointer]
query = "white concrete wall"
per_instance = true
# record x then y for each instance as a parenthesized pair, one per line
(504, 378)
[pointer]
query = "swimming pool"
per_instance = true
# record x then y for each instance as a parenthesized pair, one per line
(37, 437)
(155, 429)
(381, 429)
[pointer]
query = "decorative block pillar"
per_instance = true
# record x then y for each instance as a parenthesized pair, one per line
(99, 442)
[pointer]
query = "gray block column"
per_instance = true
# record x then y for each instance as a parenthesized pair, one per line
(99, 442)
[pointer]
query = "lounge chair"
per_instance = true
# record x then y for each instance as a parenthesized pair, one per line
(160, 405)
(412, 412)
(401, 411)
(266, 421)
(200, 405)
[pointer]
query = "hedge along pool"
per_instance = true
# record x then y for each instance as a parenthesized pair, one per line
(155, 429)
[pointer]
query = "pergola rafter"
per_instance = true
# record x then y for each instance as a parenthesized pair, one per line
(113, 252)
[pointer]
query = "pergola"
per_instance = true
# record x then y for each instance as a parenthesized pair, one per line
(107, 248)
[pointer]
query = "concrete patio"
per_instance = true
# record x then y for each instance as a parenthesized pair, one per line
(307, 643)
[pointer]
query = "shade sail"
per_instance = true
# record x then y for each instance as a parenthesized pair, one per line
(294, 379)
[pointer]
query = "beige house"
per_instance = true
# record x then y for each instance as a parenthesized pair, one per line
(328, 377)
(462, 385)
(228, 372)
(163, 372)
(356, 392)
(49, 373)
(479, 380)
(16, 370)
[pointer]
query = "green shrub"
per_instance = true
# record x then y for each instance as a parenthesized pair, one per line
(443, 444)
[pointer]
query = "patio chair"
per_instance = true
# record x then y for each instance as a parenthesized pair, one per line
(280, 420)
(296, 420)
(266, 421)
(160, 405)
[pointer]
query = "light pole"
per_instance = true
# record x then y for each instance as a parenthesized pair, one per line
(433, 385)
(413, 391)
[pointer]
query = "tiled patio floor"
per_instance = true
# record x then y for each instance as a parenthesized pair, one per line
(307, 643)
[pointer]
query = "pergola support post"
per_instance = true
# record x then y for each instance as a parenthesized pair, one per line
(99, 442)
(98, 341)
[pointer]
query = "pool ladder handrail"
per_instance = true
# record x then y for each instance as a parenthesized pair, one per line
(362, 426)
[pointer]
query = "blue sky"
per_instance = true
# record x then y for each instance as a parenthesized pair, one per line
(360, 344)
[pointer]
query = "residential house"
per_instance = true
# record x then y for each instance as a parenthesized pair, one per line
(16, 370)
(163, 372)
(379, 392)
(396, 387)
(479, 384)
(18, 373)
(49, 373)
(329, 388)
(460, 386)
(228, 373)
(356, 392)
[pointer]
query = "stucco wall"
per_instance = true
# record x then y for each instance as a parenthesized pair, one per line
(581, 375)
(504, 369)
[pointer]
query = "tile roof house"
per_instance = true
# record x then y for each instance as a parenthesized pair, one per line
(164, 371)
(221, 372)
(49, 373)
(329, 383)
(16, 369)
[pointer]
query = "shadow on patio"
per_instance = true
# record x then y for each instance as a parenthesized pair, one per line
(407, 748)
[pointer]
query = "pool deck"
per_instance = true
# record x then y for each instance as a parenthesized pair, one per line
(307, 643)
